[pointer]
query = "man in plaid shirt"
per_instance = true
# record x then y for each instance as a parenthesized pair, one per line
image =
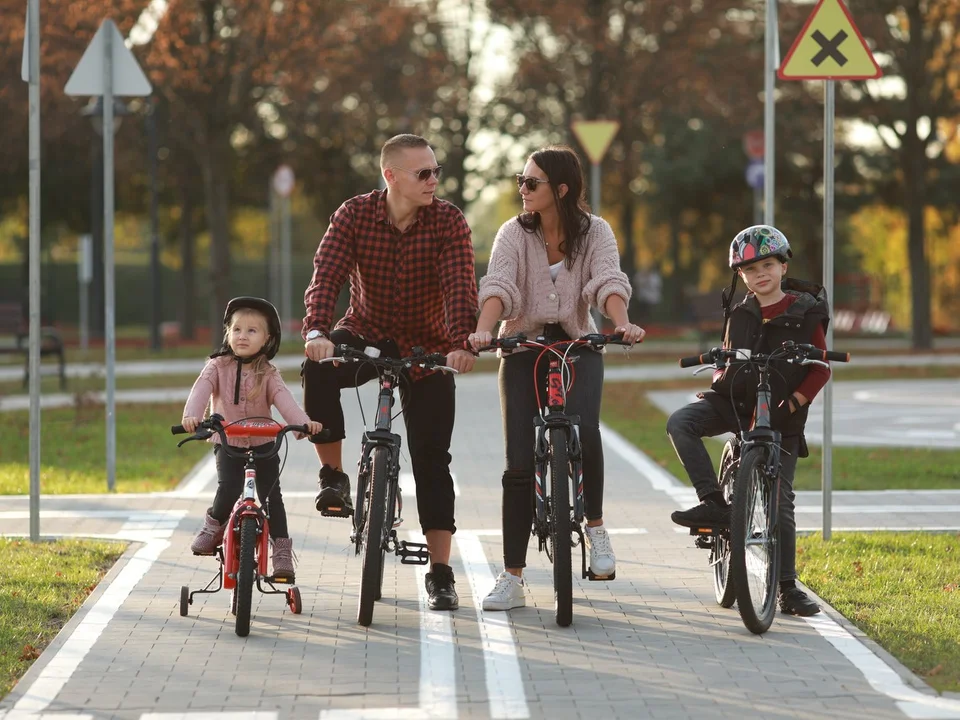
(409, 258)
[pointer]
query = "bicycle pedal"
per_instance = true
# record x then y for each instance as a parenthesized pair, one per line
(412, 553)
(281, 579)
(209, 554)
(704, 542)
(340, 512)
(601, 578)
(707, 530)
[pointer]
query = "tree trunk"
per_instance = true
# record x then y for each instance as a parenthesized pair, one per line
(915, 193)
(188, 293)
(214, 169)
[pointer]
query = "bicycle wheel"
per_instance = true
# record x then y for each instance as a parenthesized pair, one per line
(560, 530)
(754, 542)
(723, 585)
(246, 567)
(371, 574)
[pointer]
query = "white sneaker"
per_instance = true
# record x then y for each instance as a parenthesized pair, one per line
(508, 593)
(603, 563)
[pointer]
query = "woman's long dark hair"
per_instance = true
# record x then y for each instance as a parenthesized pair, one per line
(562, 167)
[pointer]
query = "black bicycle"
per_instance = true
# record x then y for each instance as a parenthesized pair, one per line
(558, 477)
(379, 505)
(746, 557)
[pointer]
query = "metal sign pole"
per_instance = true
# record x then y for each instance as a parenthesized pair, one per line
(770, 63)
(108, 279)
(33, 52)
(285, 233)
(827, 466)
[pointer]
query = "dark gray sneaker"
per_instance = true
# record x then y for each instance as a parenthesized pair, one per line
(441, 595)
(707, 515)
(794, 601)
(334, 499)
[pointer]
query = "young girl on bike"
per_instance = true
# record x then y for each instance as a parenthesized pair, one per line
(244, 384)
(548, 267)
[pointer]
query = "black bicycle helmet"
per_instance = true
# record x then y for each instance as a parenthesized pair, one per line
(756, 243)
(272, 346)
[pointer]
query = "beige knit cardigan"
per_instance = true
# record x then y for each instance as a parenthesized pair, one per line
(519, 276)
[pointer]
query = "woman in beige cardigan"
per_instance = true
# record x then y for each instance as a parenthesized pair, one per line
(548, 267)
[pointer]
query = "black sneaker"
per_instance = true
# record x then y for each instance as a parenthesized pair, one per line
(334, 500)
(794, 601)
(441, 594)
(707, 514)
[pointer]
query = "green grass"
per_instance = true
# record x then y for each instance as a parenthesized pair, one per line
(627, 410)
(41, 586)
(73, 450)
(903, 590)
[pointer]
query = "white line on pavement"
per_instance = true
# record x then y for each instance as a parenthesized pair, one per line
(438, 681)
(504, 681)
(136, 515)
(201, 715)
(882, 677)
(882, 509)
(611, 531)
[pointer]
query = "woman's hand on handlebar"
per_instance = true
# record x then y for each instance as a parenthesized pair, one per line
(190, 424)
(632, 334)
(479, 339)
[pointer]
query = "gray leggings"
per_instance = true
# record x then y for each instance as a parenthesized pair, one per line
(518, 403)
(690, 424)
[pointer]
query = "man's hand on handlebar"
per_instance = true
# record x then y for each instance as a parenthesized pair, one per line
(461, 360)
(319, 349)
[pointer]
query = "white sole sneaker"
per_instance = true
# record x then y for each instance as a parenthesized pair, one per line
(507, 594)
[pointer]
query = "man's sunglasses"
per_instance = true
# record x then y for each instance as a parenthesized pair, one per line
(531, 182)
(424, 175)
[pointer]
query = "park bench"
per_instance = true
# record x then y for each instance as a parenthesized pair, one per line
(13, 325)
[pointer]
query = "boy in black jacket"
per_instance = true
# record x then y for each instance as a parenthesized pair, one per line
(774, 310)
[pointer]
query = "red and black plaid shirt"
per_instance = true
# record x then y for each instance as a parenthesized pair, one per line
(417, 287)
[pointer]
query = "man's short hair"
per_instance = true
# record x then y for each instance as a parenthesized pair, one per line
(399, 142)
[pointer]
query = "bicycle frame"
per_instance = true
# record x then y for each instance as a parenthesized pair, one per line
(246, 506)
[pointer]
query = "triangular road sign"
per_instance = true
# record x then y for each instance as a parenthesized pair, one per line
(595, 136)
(128, 78)
(830, 47)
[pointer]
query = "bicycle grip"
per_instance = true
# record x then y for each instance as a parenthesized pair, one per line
(836, 356)
(320, 437)
(177, 430)
(695, 360)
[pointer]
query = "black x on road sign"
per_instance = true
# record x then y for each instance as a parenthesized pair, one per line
(829, 48)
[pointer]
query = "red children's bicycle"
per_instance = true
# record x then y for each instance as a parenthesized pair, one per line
(244, 554)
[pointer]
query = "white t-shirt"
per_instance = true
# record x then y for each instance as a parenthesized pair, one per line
(555, 270)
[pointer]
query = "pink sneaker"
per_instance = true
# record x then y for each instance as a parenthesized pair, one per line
(209, 538)
(283, 558)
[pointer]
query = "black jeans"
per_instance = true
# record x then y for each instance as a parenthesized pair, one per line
(518, 404)
(689, 425)
(428, 412)
(230, 485)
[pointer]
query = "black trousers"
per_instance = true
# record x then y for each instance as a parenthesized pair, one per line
(689, 425)
(518, 404)
(230, 485)
(428, 413)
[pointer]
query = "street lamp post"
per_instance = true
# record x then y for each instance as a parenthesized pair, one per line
(154, 229)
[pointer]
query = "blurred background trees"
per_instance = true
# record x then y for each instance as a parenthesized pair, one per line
(241, 87)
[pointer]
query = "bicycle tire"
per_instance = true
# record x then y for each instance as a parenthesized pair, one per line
(724, 587)
(560, 527)
(246, 567)
(371, 573)
(755, 571)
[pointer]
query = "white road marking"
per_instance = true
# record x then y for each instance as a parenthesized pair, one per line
(148, 516)
(201, 715)
(611, 531)
(502, 666)
(438, 679)
(882, 509)
(882, 677)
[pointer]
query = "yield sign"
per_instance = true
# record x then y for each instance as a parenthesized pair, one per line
(830, 47)
(595, 136)
(128, 78)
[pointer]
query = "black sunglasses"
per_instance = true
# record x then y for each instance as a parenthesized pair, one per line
(424, 175)
(532, 183)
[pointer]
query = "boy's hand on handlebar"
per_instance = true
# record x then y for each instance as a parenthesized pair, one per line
(461, 360)
(190, 424)
(631, 333)
(319, 349)
(479, 339)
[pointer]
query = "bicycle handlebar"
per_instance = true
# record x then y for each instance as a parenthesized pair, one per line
(796, 350)
(214, 426)
(431, 361)
(512, 342)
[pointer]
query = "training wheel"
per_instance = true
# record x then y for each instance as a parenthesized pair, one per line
(184, 600)
(294, 601)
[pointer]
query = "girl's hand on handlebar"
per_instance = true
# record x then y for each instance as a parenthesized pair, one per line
(313, 426)
(190, 424)
(479, 339)
(631, 333)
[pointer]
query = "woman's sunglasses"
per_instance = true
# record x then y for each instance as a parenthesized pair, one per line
(531, 182)
(424, 175)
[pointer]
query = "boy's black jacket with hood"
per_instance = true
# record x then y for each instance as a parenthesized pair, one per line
(746, 330)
